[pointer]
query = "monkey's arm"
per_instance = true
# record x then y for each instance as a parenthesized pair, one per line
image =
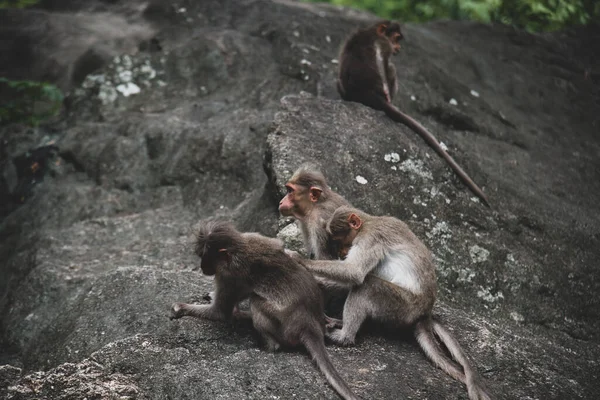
(353, 270)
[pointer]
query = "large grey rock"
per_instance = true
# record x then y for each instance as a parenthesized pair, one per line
(233, 96)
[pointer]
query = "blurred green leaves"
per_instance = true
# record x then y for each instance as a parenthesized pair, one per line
(533, 15)
(28, 102)
(17, 3)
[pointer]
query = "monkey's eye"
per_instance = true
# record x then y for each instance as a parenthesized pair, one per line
(289, 189)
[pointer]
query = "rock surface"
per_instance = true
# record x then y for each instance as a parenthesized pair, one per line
(203, 109)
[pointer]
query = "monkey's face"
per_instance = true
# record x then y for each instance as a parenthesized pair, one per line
(211, 261)
(395, 36)
(296, 202)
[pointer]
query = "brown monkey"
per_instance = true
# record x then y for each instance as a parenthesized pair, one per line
(393, 278)
(286, 305)
(311, 202)
(368, 76)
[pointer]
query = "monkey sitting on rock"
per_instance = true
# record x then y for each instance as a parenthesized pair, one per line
(286, 304)
(367, 75)
(392, 279)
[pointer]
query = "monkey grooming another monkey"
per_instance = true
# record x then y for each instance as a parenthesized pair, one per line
(311, 202)
(286, 304)
(368, 76)
(393, 279)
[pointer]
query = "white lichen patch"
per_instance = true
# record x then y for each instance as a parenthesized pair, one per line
(416, 167)
(413, 98)
(487, 295)
(517, 317)
(441, 232)
(125, 76)
(465, 275)
(128, 89)
(478, 254)
(107, 94)
(392, 157)
(147, 70)
(334, 61)
(474, 93)
(328, 39)
(453, 102)
(443, 146)
(304, 61)
(475, 199)
(361, 180)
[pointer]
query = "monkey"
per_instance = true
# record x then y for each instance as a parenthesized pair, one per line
(367, 75)
(312, 202)
(286, 304)
(393, 280)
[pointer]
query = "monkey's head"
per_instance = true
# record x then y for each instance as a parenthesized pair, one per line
(216, 242)
(343, 226)
(304, 190)
(391, 31)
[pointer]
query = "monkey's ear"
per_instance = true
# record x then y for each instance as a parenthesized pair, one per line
(315, 194)
(381, 28)
(354, 221)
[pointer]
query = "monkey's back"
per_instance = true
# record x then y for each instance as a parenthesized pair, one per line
(358, 73)
(396, 235)
(280, 279)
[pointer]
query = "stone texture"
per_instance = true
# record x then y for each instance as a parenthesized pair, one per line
(233, 96)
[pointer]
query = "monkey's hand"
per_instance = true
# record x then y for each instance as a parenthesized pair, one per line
(240, 314)
(331, 323)
(294, 255)
(177, 311)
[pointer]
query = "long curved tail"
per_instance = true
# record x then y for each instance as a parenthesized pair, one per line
(316, 348)
(424, 332)
(413, 124)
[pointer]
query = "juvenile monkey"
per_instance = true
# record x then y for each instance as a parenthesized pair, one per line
(286, 305)
(368, 76)
(393, 279)
(311, 202)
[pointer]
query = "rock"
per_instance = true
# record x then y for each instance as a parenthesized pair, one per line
(233, 96)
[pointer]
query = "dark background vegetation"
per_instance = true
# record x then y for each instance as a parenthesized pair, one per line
(31, 102)
(533, 15)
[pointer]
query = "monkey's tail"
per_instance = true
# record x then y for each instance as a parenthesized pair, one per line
(424, 332)
(316, 348)
(413, 124)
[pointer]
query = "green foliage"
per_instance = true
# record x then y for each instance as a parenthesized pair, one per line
(28, 101)
(534, 15)
(17, 3)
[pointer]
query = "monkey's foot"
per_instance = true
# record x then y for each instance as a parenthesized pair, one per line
(337, 336)
(177, 311)
(271, 344)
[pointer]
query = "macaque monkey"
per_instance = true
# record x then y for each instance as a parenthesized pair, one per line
(368, 76)
(286, 304)
(393, 279)
(311, 202)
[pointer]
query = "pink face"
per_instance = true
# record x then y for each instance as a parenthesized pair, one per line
(288, 203)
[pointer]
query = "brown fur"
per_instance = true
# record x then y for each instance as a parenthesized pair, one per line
(286, 305)
(368, 76)
(312, 215)
(379, 243)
